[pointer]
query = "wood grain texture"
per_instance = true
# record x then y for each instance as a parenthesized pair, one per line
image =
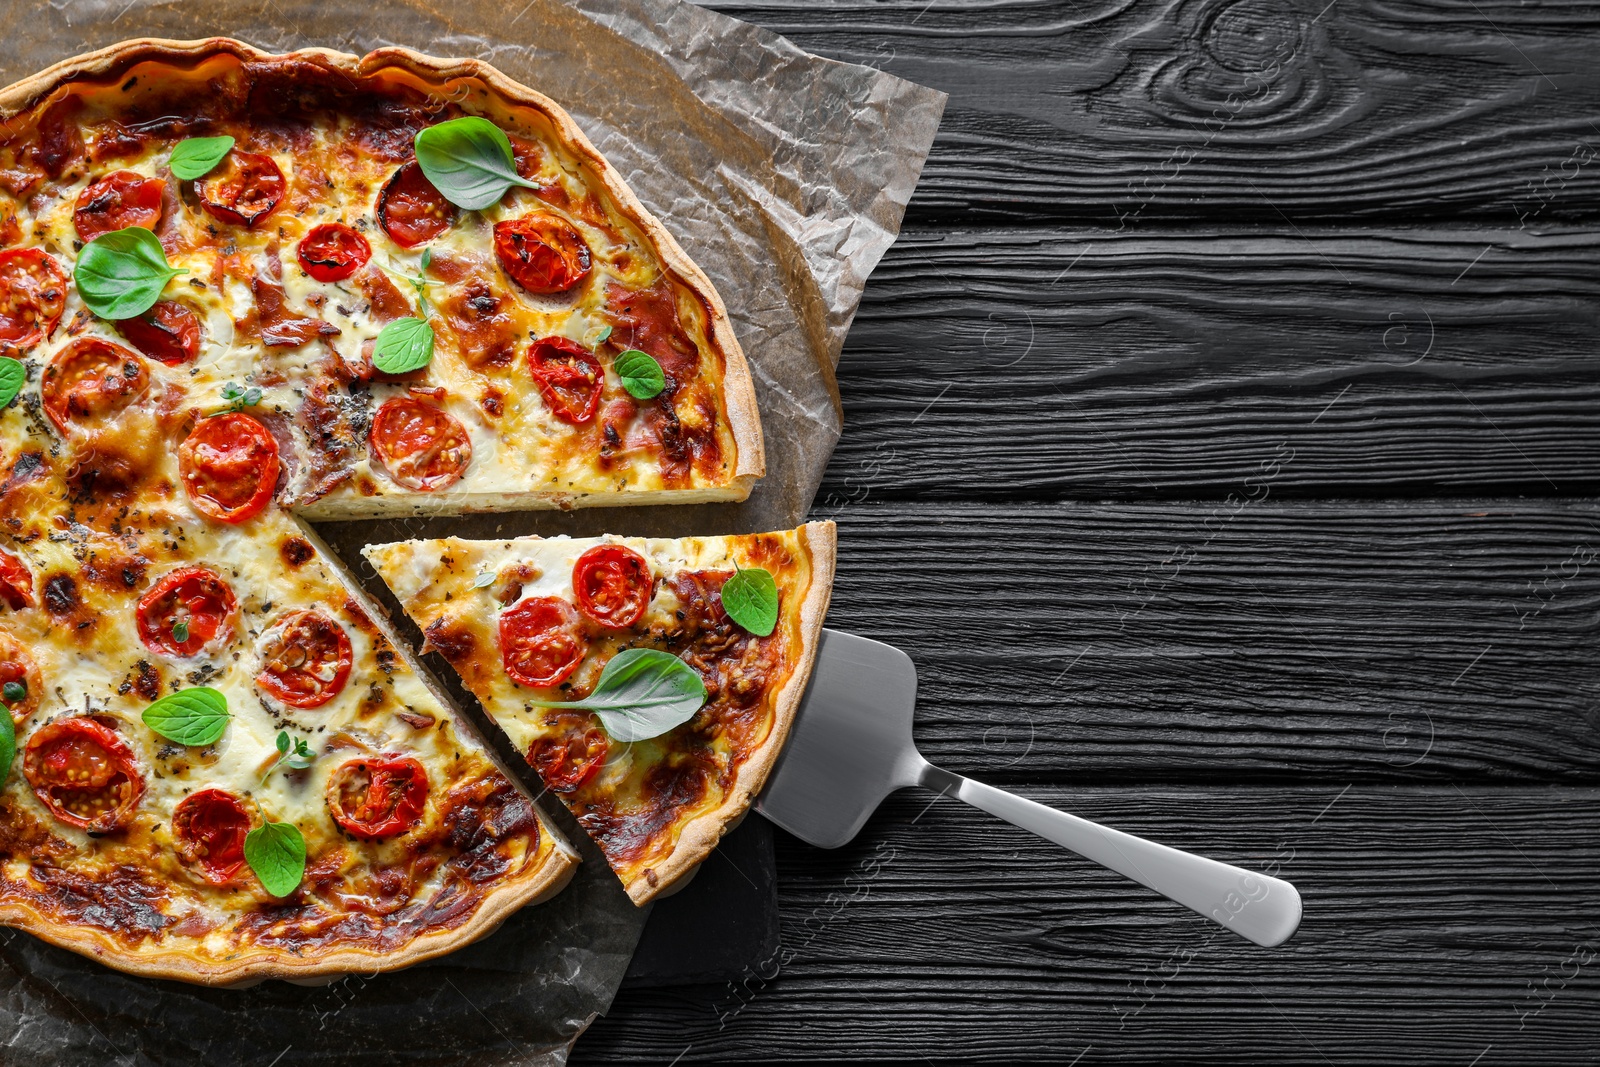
(1013, 363)
(1353, 641)
(1439, 922)
(1227, 419)
(1115, 113)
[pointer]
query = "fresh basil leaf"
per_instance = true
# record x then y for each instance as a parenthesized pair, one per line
(641, 375)
(15, 692)
(302, 757)
(642, 693)
(121, 274)
(194, 157)
(276, 851)
(469, 160)
(751, 599)
(403, 345)
(605, 332)
(180, 631)
(195, 716)
(13, 375)
(8, 744)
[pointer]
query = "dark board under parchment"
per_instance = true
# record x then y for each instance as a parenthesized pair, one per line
(1412, 560)
(786, 188)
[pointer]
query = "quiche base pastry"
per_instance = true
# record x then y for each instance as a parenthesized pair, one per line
(317, 229)
(534, 621)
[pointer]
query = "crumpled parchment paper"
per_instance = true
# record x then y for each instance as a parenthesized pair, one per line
(784, 176)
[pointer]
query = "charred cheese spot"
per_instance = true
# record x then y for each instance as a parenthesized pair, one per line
(451, 638)
(296, 551)
(61, 595)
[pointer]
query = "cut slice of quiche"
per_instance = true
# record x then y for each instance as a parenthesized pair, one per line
(651, 682)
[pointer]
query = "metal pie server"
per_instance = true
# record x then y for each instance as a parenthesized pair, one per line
(851, 746)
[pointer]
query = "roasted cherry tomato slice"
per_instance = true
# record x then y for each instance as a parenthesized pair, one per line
(169, 333)
(16, 582)
(571, 753)
(569, 378)
(243, 189)
(185, 611)
(33, 292)
(378, 796)
(229, 466)
(305, 660)
(539, 641)
(541, 253)
(117, 201)
(84, 772)
(411, 210)
(613, 585)
(18, 668)
(209, 828)
(89, 382)
(421, 447)
(333, 251)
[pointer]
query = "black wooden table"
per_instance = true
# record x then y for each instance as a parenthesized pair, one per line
(1228, 417)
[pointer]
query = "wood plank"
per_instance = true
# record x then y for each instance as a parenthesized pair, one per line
(1354, 641)
(1117, 114)
(1438, 922)
(1010, 363)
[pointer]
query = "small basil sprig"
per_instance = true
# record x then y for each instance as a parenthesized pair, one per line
(297, 757)
(407, 344)
(180, 631)
(750, 598)
(13, 375)
(194, 157)
(238, 398)
(195, 716)
(276, 851)
(641, 375)
(469, 160)
(642, 693)
(121, 274)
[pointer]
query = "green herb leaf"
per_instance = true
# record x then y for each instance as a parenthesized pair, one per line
(484, 581)
(8, 745)
(641, 375)
(642, 693)
(238, 399)
(121, 274)
(195, 716)
(297, 756)
(180, 631)
(302, 757)
(469, 160)
(605, 332)
(15, 692)
(403, 345)
(276, 851)
(193, 157)
(751, 599)
(13, 375)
